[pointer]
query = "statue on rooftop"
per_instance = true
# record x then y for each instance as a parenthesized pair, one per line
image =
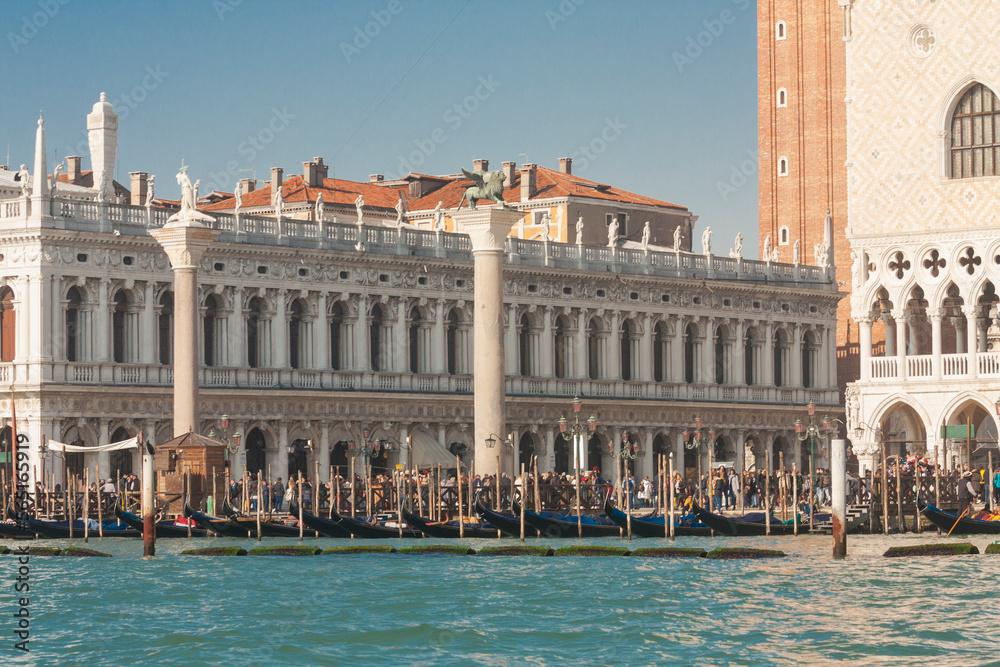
(645, 236)
(438, 218)
(767, 248)
(278, 201)
(579, 229)
(359, 204)
(613, 233)
(488, 185)
(55, 180)
(320, 206)
(149, 190)
(197, 184)
(238, 193)
(401, 210)
(677, 238)
(102, 188)
(706, 241)
(737, 252)
(795, 252)
(187, 191)
(23, 176)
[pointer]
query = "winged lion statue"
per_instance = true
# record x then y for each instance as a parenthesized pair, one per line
(488, 185)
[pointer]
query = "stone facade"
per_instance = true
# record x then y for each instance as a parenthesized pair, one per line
(924, 236)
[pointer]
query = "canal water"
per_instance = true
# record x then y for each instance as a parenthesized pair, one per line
(459, 610)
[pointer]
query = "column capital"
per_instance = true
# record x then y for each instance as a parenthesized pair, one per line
(185, 245)
(936, 314)
(487, 227)
(970, 311)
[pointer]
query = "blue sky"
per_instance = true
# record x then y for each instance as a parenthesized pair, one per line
(657, 97)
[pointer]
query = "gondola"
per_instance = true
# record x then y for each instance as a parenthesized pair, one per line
(448, 529)
(59, 530)
(949, 522)
(359, 528)
(267, 528)
(508, 524)
(325, 527)
(165, 528)
(653, 526)
(748, 524)
(219, 526)
(12, 530)
(566, 526)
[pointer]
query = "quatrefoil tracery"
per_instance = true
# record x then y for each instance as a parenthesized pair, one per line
(899, 265)
(935, 263)
(970, 260)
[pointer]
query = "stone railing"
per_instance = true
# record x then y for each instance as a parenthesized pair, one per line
(886, 369)
(262, 230)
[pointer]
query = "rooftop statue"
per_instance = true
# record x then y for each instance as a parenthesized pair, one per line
(645, 235)
(187, 190)
(149, 190)
(189, 215)
(359, 204)
(706, 241)
(438, 218)
(55, 180)
(579, 229)
(401, 210)
(22, 176)
(278, 201)
(488, 185)
(238, 193)
(677, 238)
(613, 233)
(320, 207)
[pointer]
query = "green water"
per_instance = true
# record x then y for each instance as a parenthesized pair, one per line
(432, 610)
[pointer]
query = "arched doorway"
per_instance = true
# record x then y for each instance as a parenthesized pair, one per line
(256, 456)
(121, 459)
(970, 436)
(339, 459)
(563, 460)
(595, 454)
(298, 458)
(525, 450)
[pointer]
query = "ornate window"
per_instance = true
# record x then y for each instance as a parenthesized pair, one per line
(975, 134)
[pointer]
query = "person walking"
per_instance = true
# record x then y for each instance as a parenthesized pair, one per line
(278, 493)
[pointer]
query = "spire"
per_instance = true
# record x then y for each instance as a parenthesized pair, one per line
(828, 237)
(40, 187)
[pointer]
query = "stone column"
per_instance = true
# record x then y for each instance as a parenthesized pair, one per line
(279, 332)
(321, 345)
(147, 344)
(185, 238)
(102, 351)
(280, 463)
(937, 316)
(865, 345)
(890, 335)
(439, 348)
(582, 353)
(510, 341)
(646, 350)
(546, 350)
(324, 453)
(900, 317)
(971, 332)
(487, 229)
(102, 466)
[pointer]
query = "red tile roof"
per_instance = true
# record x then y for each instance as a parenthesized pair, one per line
(87, 181)
(335, 192)
(550, 183)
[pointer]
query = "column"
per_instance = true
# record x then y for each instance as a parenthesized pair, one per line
(147, 342)
(648, 466)
(102, 466)
(509, 340)
(582, 355)
(102, 349)
(547, 463)
(41, 346)
(901, 318)
(279, 332)
(56, 329)
(646, 350)
(362, 360)
(677, 352)
(865, 345)
(767, 358)
(405, 453)
(890, 335)
(706, 375)
(400, 348)
(959, 324)
(547, 351)
(936, 315)
(321, 344)
(739, 362)
(487, 229)
(795, 365)
(971, 331)
(185, 240)
(613, 360)
(237, 329)
(820, 358)
(324, 452)
(439, 347)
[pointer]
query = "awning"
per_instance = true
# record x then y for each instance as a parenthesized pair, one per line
(131, 443)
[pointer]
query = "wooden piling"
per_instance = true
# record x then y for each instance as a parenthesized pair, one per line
(767, 492)
(795, 499)
(86, 504)
(522, 501)
(579, 520)
(885, 494)
(301, 530)
(100, 510)
(782, 486)
(900, 524)
(458, 485)
(70, 507)
(187, 496)
(937, 489)
(538, 485)
(260, 503)
(671, 533)
(353, 490)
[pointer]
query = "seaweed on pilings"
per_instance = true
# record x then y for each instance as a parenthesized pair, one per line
(287, 550)
(360, 549)
(215, 551)
(454, 549)
(587, 550)
(669, 552)
(939, 549)
(743, 553)
(83, 553)
(524, 550)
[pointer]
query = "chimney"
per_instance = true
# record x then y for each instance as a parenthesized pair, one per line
(277, 178)
(249, 185)
(480, 165)
(376, 178)
(528, 173)
(139, 186)
(73, 169)
(309, 174)
(322, 170)
(566, 165)
(509, 171)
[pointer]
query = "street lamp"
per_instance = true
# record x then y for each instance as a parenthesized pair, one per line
(575, 433)
(695, 439)
(812, 431)
(491, 442)
(231, 440)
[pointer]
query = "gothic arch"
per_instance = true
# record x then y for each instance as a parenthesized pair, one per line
(946, 112)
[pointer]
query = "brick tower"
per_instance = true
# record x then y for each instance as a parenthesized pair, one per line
(802, 133)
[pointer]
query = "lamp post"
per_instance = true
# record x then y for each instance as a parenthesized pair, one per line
(628, 452)
(231, 440)
(391, 445)
(575, 433)
(369, 449)
(812, 431)
(491, 442)
(694, 440)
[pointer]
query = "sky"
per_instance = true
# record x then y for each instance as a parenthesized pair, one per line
(657, 97)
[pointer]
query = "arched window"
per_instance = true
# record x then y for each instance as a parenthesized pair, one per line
(783, 166)
(720, 356)
(782, 97)
(336, 322)
(524, 346)
(453, 334)
(7, 327)
(689, 352)
(208, 330)
(414, 333)
(73, 337)
(295, 335)
(166, 328)
(525, 449)
(594, 350)
(561, 347)
(298, 458)
(562, 451)
(660, 353)
(120, 328)
(254, 357)
(779, 30)
(975, 134)
(376, 323)
(121, 459)
(626, 350)
(338, 458)
(783, 235)
(779, 358)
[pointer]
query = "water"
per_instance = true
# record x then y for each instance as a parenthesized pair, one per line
(436, 609)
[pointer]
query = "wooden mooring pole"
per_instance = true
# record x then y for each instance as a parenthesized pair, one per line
(838, 483)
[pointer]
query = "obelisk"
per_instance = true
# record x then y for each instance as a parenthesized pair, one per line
(487, 229)
(185, 238)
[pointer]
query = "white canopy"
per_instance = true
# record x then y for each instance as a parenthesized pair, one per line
(131, 443)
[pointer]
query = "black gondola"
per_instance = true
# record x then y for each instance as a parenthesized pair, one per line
(650, 526)
(59, 530)
(566, 526)
(12, 530)
(219, 526)
(325, 527)
(267, 528)
(508, 524)
(450, 529)
(163, 528)
(742, 527)
(359, 528)
(949, 522)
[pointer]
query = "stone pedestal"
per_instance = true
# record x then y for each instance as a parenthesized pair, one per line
(487, 229)
(185, 239)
